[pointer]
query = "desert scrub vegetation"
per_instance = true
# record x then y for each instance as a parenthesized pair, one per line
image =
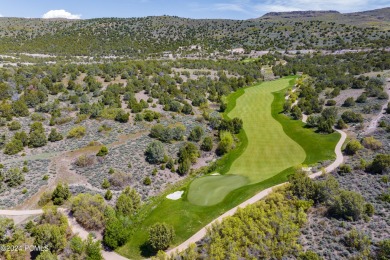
(342, 204)
(327, 236)
(279, 219)
(14, 179)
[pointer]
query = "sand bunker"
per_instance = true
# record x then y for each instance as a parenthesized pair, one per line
(175, 196)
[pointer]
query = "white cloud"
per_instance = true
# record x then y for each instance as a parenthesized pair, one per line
(229, 7)
(275, 8)
(1, 15)
(60, 14)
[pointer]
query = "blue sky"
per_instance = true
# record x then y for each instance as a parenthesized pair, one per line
(233, 9)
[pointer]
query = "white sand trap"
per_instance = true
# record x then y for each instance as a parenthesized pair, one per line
(215, 174)
(306, 169)
(175, 196)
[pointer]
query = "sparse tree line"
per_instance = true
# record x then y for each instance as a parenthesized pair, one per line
(30, 88)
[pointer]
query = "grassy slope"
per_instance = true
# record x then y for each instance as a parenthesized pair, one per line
(187, 218)
(269, 151)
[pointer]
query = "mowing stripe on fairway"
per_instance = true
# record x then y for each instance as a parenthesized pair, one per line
(269, 150)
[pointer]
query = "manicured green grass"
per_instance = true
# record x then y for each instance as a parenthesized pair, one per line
(188, 218)
(269, 149)
(211, 190)
(268, 152)
(318, 147)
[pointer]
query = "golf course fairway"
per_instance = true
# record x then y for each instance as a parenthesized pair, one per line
(269, 150)
(186, 217)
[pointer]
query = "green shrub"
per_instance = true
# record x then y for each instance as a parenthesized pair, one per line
(385, 196)
(312, 121)
(147, 181)
(188, 151)
(225, 144)
(22, 136)
(341, 124)
(352, 117)
(347, 205)
(103, 151)
(344, 168)
(352, 147)
(357, 240)
(45, 198)
(128, 202)
(14, 125)
(330, 102)
(362, 98)
(196, 134)
(106, 184)
(55, 136)
(371, 143)
(13, 147)
(349, 102)
(60, 194)
(122, 117)
(14, 177)
(309, 255)
(117, 231)
(369, 209)
(84, 161)
(108, 195)
(296, 113)
(77, 132)
(380, 163)
(161, 236)
(207, 144)
(37, 139)
(38, 117)
(155, 152)
(89, 210)
(384, 250)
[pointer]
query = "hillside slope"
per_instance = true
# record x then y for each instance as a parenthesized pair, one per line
(379, 18)
(143, 36)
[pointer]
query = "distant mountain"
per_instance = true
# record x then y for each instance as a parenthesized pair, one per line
(378, 18)
(139, 37)
(299, 14)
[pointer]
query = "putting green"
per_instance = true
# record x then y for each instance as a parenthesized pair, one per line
(269, 150)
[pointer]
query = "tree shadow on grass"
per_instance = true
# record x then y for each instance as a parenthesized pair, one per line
(147, 250)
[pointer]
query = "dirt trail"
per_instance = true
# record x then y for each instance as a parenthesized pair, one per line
(374, 122)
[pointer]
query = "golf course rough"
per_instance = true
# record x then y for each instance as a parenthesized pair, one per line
(269, 150)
